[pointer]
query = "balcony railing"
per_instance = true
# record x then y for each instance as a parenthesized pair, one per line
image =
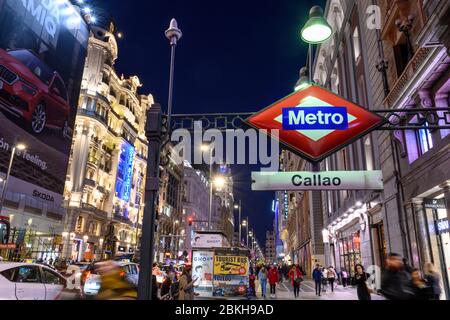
(402, 82)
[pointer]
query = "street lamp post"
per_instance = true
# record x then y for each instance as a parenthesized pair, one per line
(20, 147)
(174, 34)
(316, 31)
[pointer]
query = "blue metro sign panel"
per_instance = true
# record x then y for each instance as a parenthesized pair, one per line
(315, 118)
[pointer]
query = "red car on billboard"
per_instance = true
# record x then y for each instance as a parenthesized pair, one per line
(31, 90)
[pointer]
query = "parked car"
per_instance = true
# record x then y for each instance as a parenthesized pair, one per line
(31, 281)
(31, 90)
(130, 271)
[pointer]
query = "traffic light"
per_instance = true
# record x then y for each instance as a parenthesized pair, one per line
(190, 221)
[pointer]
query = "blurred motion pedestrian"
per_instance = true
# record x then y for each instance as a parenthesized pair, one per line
(395, 282)
(434, 280)
(360, 281)
(113, 285)
(421, 290)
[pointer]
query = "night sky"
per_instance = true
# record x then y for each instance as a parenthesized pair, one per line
(235, 56)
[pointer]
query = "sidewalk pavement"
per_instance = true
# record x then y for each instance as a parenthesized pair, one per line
(285, 291)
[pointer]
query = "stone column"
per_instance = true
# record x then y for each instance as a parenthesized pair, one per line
(422, 231)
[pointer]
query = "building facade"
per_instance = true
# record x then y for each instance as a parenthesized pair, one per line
(394, 58)
(270, 250)
(105, 183)
(196, 193)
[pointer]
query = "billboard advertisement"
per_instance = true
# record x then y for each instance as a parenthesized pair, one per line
(202, 269)
(43, 45)
(207, 240)
(231, 271)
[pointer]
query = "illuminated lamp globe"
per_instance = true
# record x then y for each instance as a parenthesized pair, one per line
(317, 30)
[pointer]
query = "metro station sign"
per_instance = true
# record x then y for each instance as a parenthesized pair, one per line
(315, 123)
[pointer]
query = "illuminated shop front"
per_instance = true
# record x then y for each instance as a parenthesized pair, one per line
(350, 252)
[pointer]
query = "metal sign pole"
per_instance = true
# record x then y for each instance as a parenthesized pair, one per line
(153, 133)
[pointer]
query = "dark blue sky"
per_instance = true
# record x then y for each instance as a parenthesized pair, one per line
(235, 56)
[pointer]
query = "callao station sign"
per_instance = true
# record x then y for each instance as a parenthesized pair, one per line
(315, 123)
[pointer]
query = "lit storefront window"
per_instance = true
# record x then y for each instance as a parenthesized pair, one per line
(350, 252)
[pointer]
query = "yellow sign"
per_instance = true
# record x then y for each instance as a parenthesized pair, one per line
(231, 265)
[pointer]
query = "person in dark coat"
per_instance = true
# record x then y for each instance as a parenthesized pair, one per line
(317, 276)
(433, 280)
(421, 290)
(395, 282)
(360, 281)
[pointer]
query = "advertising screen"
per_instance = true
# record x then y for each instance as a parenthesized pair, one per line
(43, 45)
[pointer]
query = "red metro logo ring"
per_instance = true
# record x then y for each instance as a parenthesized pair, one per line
(310, 131)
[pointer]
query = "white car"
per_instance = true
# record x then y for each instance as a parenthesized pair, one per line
(94, 282)
(30, 281)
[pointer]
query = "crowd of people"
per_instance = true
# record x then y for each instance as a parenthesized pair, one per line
(399, 281)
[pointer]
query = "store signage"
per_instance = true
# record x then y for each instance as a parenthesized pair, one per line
(330, 180)
(315, 123)
(434, 203)
(442, 226)
(207, 240)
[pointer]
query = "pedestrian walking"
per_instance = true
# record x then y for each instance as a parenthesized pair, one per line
(324, 278)
(421, 290)
(296, 277)
(273, 280)
(395, 283)
(344, 277)
(433, 279)
(317, 276)
(360, 281)
(251, 283)
(331, 275)
(262, 277)
(186, 285)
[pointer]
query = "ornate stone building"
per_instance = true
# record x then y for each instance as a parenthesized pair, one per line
(105, 184)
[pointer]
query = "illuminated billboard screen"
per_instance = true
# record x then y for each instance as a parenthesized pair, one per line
(43, 45)
(125, 172)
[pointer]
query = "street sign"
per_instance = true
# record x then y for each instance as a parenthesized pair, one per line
(315, 123)
(434, 203)
(305, 181)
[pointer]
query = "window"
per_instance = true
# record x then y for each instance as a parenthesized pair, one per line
(424, 140)
(368, 152)
(8, 274)
(52, 278)
(356, 45)
(401, 58)
(27, 274)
